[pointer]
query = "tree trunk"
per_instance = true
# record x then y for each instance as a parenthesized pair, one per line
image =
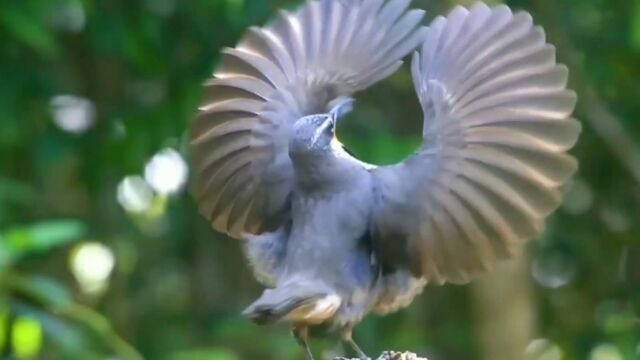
(504, 311)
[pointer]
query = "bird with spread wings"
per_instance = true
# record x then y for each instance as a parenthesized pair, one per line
(334, 238)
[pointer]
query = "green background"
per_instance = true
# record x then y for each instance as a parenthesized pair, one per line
(176, 288)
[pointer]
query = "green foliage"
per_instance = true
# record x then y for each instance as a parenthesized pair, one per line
(635, 27)
(134, 68)
(20, 241)
(209, 354)
(27, 337)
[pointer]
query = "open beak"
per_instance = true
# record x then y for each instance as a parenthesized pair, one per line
(340, 107)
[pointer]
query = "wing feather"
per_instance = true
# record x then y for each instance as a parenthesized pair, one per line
(496, 130)
(277, 74)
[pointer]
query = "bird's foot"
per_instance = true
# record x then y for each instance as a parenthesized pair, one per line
(300, 333)
(391, 355)
(349, 341)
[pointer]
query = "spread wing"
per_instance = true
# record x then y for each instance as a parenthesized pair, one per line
(496, 132)
(276, 75)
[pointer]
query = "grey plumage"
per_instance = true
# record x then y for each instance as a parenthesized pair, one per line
(336, 238)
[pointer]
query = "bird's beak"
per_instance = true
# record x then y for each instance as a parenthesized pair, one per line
(340, 107)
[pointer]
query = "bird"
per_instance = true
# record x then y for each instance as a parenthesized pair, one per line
(333, 238)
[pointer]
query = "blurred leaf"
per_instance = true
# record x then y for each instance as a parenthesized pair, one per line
(635, 26)
(5, 257)
(37, 290)
(56, 233)
(68, 337)
(4, 323)
(40, 237)
(25, 26)
(49, 290)
(41, 290)
(102, 327)
(205, 354)
(26, 337)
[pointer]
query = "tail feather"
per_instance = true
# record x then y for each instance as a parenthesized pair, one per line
(292, 303)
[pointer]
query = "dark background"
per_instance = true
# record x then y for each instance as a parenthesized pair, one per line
(103, 254)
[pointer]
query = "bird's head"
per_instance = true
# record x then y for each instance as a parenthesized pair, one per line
(315, 133)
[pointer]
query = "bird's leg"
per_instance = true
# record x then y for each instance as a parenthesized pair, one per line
(348, 339)
(301, 333)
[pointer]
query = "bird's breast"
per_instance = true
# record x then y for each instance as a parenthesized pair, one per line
(337, 214)
(327, 229)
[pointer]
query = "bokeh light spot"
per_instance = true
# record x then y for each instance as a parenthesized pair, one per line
(91, 265)
(553, 270)
(72, 113)
(615, 219)
(543, 349)
(166, 172)
(134, 194)
(605, 352)
(578, 197)
(615, 317)
(68, 15)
